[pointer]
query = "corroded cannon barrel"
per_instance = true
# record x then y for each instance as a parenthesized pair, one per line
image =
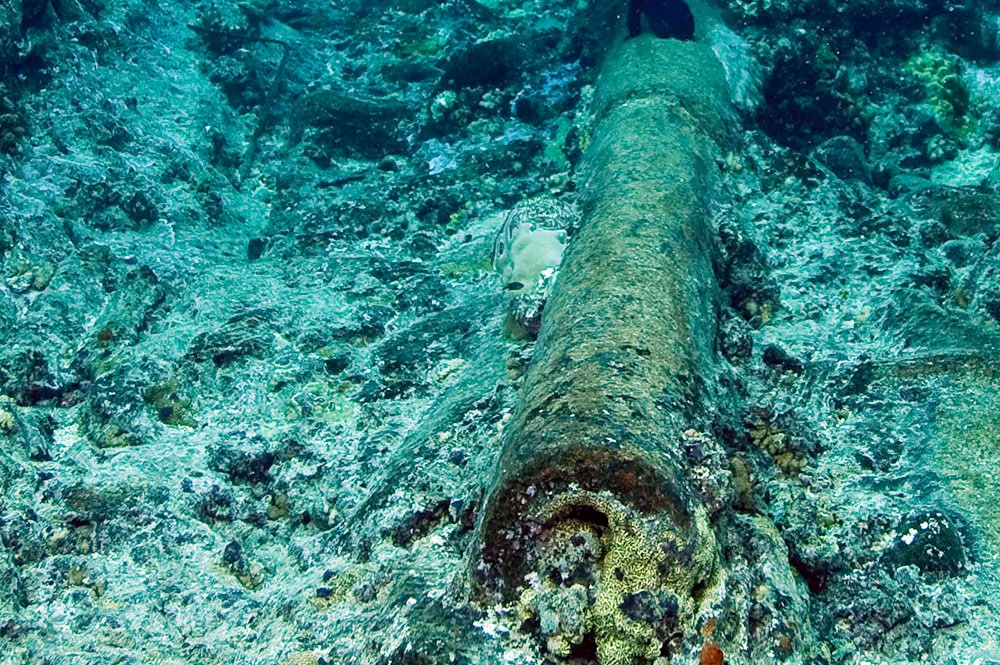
(624, 360)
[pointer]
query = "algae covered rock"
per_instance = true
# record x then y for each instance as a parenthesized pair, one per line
(929, 540)
(489, 63)
(10, 33)
(349, 124)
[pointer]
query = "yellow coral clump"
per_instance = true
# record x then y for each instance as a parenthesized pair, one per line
(633, 557)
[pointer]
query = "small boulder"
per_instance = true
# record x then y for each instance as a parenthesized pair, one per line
(845, 158)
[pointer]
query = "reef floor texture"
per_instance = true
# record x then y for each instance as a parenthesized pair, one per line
(271, 276)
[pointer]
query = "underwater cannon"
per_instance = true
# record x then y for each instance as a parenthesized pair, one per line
(590, 490)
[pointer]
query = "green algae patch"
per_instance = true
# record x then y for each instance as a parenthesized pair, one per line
(967, 431)
(172, 408)
(945, 92)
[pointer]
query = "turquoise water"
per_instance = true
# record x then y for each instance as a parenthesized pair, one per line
(273, 276)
